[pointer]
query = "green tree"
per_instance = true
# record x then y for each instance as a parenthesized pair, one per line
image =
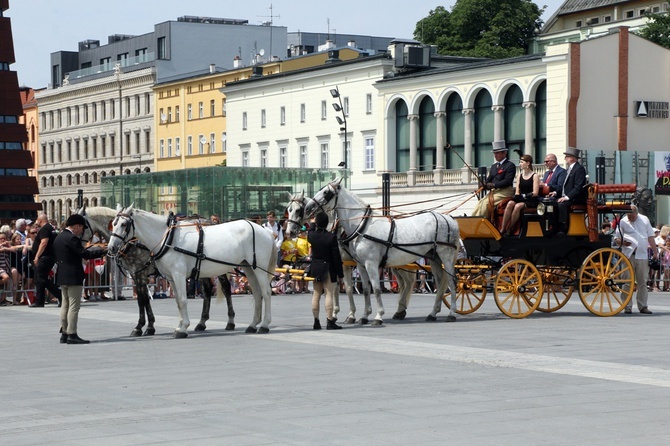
(657, 29)
(481, 28)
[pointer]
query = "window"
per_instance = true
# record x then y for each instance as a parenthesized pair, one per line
(369, 154)
(103, 112)
(303, 156)
(223, 107)
(147, 104)
(122, 57)
(324, 108)
(607, 19)
(629, 14)
(189, 112)
(162, 48)
(85, 117)
(345, 106)
(368, 103)
(95, 112)
(224, 138)
(263, 118)
(244, 120)
(282, 115)
(324, 155)
(137, 105)
(141, 55)
(212, 143)
(245, 158)
(201, 144)
(189, 143)
(169, 114)
(283, 158)
(593, 21)
(212, 108)
(302, 112)
(201, 110)
(161, 150)
(176, 113)
(264, 157)
(169, 148)
(177, 146)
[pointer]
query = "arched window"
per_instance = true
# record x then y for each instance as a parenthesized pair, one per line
(69, 180)
(541, 121)
(60, 180)
(455, 134)
(515, 120)
(483, 134)
(94, 177)
(85, 178)
(402, 137)
(51, 181)
(427, 135)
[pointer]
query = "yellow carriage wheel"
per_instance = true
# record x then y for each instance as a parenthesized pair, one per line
(518, 288)
(606, 282)
(558, 284)
(470, 288)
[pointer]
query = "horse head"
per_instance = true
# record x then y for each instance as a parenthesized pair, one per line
(121, 228)
(296, 213)
(323, 200)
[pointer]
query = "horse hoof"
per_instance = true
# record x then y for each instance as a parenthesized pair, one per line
(400, 315)
(350, 320)
(376, 323)
(263, 330)
(200, 327)
(230, 326)
(150, 332)
(180, 334)
(430, 318)
(451, 318)
(250, 330)
(364, 321)
(136, 332)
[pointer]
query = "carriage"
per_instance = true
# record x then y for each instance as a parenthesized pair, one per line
(534, 269)
(531, 269)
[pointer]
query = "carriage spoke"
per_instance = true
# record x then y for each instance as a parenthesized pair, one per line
(605, 273)
(518, 288)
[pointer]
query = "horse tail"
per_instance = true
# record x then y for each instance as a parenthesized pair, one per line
(219, 292)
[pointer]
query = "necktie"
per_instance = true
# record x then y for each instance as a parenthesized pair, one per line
(551, 173)
(566, 180)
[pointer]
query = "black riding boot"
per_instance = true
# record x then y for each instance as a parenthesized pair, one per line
(317, 324)
(332, 325)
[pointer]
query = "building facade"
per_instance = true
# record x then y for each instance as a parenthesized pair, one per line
(17, 199)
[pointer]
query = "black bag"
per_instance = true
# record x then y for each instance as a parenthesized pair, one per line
(318, 270)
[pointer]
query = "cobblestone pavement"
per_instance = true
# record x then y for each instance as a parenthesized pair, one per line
(567, 378)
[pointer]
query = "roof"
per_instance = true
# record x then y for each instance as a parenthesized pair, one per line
(575, 6)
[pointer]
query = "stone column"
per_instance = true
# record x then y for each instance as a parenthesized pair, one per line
(413, 124)
(468, 155)
(498, 122)
(530, 127)
(439, 147)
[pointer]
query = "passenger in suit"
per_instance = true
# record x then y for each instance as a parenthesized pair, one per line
(573, 190)
(555, 174)
(499, 182)
(70, 275)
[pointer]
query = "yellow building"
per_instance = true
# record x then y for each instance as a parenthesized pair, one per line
(190, 112)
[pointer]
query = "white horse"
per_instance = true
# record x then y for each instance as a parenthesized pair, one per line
(377, 241)
(296, 217)
(180, 251)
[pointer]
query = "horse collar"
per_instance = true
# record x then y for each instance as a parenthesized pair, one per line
(361, 226)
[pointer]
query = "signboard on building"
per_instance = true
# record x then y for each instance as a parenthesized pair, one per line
(652, 109)
(662, 170)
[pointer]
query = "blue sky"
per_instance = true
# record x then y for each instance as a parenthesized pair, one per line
(41, 27)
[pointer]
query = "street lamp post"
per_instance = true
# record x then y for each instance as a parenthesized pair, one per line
(342, 120)
(117, 72)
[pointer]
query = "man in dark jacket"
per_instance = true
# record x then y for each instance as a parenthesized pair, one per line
(44, 259)
(326, 268)
(554, 177)
(499, 182)
(573, 190)
(70, 275)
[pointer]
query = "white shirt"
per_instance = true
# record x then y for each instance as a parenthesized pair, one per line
(640, 230)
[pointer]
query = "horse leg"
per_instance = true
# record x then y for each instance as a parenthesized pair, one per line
(224, 286)
(141, 304)
(206, 285)
(373, 272)
(349, 286)
(259, 292)
(365, 284)
(405, 285)
(178, 284)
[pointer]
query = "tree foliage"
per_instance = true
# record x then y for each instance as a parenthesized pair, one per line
(657, 29)
(481, 28)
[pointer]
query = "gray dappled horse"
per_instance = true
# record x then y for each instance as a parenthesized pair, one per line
(375, 241)
(135, 260)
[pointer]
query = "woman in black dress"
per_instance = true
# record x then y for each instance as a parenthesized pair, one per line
(527, 191)
(325, 268)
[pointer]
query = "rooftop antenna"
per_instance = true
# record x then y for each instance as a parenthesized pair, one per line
(270, 23)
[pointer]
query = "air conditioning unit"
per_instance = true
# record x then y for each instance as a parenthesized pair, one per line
(412, 56)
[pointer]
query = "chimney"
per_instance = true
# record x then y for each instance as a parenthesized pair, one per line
(351, 44)
(212, 68)
(333, 56)
(236, 62)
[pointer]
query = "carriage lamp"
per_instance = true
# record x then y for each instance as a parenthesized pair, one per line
(541, 209)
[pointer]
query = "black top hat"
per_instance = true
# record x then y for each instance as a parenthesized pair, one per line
(75, 219)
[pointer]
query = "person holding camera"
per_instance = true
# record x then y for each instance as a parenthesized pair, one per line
(527, 191)
(637, 226)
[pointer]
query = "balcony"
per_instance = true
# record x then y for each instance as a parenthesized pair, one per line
(109, 67)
